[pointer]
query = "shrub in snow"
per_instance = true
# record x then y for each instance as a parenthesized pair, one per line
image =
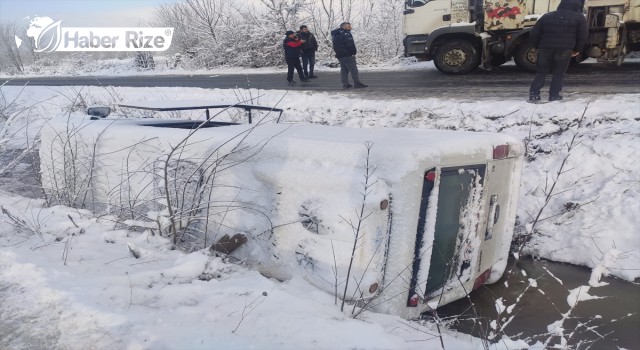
(144, 60)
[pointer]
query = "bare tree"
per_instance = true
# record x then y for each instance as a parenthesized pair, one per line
(361, 216)
(209, 14)
(284, 12)
(178, 16)
(8, 37)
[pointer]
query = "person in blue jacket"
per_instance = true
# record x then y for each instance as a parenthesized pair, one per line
(345, 50)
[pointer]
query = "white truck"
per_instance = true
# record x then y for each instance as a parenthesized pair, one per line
(412, 219)
(460, 35)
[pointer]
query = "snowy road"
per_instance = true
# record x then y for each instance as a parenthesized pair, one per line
(23, 328)
(504, 82)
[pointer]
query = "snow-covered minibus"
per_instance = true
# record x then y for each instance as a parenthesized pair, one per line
(394, 220)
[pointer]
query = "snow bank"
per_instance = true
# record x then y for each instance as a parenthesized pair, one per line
(101, 296)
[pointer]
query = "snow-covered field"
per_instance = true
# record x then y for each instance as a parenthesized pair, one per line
(72, 276)
(86, 66)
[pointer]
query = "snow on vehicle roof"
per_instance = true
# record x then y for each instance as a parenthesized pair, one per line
(397, 150)
(448, 141)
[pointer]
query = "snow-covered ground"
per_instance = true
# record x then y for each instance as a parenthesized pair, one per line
(74, 278)
(85, 66)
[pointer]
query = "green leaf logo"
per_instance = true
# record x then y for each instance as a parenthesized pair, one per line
(49, 39)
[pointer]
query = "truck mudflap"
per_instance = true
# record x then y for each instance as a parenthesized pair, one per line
(514, 39)
(496, 50)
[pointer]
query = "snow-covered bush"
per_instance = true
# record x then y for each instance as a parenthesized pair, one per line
(15, 117)
(242, 35)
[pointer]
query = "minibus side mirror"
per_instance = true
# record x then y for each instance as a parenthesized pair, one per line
(98, 112)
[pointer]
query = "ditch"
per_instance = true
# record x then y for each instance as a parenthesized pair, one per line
(611, 322)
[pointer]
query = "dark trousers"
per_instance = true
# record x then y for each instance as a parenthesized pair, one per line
(349, 65)
(308, 62)
(554, 61)
(294, 63)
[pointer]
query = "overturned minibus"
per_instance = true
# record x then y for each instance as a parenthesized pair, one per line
(395, 220)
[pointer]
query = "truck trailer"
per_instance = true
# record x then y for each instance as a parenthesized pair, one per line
(460, 35)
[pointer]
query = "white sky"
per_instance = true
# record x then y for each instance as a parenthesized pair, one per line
(82, 13)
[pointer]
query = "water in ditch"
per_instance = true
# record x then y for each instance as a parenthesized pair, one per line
(611, 322)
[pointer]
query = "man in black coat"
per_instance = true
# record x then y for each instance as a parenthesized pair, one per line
(291, 45)
(309, 47)
(559, 35)
(346, 51)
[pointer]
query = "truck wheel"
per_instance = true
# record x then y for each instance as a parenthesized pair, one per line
(526, 56)
(456, 57)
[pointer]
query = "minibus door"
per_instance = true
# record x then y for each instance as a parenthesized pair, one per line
(456, 190)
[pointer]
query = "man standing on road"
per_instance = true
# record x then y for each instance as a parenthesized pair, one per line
(291, 46)
(346, 51)
(559, 35)
(309, 48)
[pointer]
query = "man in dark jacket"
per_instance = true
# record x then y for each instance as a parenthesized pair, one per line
(346, 51)
(309, 48)
(291, 45)
(559, 35)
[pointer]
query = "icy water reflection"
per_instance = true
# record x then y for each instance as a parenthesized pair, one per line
(611, 322)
